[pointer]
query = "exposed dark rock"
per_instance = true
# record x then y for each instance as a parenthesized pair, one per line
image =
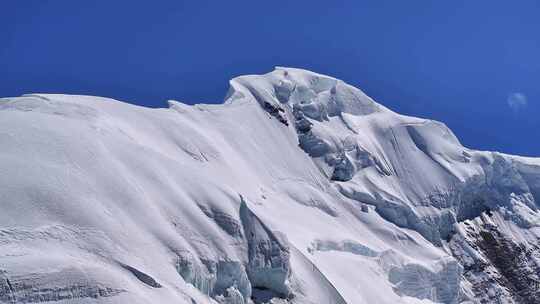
(502, 269)
(143, 277)
(276, 111)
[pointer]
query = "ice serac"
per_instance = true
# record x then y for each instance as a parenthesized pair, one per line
(268, 255)
(299, 188)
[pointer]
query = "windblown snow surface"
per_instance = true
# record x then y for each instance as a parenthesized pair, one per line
(299, 188)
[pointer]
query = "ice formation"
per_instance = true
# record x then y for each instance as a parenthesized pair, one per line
(299, 188)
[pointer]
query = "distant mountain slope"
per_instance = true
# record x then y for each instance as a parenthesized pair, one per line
(298, 189)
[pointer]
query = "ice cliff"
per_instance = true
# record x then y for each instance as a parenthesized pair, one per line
(299, 188)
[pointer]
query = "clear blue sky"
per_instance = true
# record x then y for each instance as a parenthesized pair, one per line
(474, 65)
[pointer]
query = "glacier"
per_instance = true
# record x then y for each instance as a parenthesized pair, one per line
(298, 188)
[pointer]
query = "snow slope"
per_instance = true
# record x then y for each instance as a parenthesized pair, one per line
(297, 189)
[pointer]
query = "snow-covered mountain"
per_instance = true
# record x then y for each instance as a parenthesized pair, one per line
(299, 188)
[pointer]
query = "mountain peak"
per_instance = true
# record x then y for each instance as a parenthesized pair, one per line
(298, 189)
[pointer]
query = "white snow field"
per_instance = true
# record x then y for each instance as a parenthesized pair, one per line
(299, 188)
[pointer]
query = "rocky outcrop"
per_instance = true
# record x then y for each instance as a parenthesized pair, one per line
(499, 267)
(141, 276)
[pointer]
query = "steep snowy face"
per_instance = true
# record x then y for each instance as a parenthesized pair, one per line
(298, 189)
(415, 171)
